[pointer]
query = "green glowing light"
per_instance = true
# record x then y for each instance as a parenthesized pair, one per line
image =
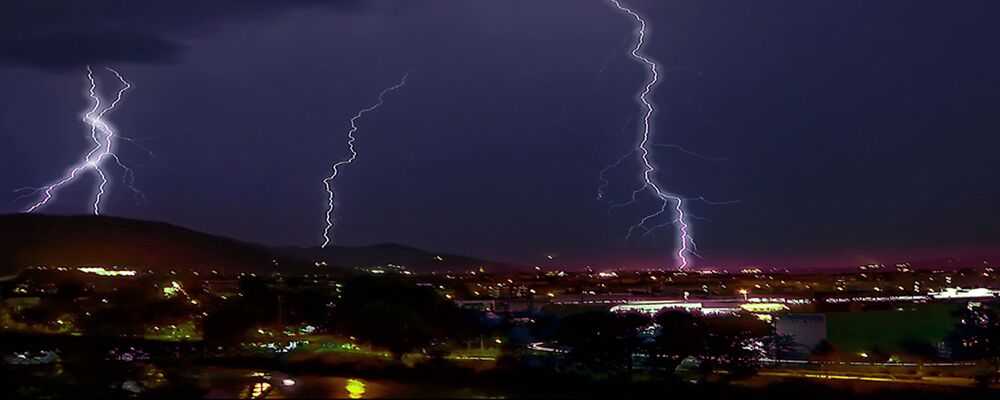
(101, 271)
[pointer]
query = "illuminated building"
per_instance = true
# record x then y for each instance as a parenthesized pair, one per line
(655, 306)
(959, 293)
(763, 307)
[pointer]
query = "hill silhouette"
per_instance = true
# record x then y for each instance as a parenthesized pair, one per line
(49, 240)
(88, 240)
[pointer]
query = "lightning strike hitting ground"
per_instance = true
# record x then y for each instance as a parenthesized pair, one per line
(103, 136)
(684, 242)
(328, 182)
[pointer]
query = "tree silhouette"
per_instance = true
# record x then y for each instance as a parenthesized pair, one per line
(735, 345)
(976, 336)
(602, 341)
(398, 315)
(680, 335)
(823, 351)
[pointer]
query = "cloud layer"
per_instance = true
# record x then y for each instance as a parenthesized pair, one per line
(65, 34)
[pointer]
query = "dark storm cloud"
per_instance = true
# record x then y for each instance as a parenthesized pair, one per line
(66, 50)
(64, 34)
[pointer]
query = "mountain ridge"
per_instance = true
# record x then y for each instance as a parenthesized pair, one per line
(79, 240)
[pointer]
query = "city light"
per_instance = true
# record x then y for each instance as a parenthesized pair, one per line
(260, 389)
(102, 271)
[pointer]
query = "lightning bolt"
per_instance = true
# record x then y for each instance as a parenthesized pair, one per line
(684, 242)
(328, 182)
(611, 57)
(691, 153)
(604, 181)
(128, 177)
(103, 136)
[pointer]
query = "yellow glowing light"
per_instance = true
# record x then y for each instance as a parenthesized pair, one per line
(260, 389)
(355, 388)
(763, 307)
(828, 376)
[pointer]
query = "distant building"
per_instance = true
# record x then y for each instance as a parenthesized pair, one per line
(479, 305)
(806, 330)
(959, 293)
(724, 307)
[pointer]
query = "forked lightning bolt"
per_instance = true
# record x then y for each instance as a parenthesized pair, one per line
(103, 136)
(684, 242)
(328, 182)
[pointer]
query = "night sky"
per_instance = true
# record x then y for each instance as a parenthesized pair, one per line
(847, 130)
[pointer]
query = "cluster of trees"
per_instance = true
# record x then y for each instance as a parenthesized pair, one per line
(127, 310)
(131, 310)
(616, 344)
(977, 337)
(384, 311)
